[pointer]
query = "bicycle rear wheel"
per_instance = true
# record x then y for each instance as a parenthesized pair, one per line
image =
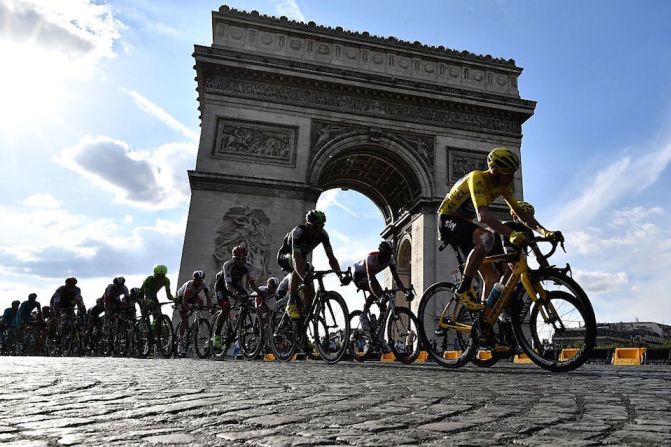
(227, 339)
(402, 333)
(251, 333)
(452, 347)
(121, 339)
(559, 332)
(282, 336)
(360, 340)
(331, 327)
(201, 338)
(165, 336)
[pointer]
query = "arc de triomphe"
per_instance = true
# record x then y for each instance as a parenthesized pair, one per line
(289, 110)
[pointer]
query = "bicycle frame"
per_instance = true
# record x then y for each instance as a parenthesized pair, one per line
(519, 274)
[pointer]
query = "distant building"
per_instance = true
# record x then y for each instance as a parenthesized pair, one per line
(627, 334)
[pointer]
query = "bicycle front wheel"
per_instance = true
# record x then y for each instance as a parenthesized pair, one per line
(557, 333)
(165, 336)
(251, 333)
(331, 327)
(201, 338)
(453, 346)
(282, 336)
(402, 333)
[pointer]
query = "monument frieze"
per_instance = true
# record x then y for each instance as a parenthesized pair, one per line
(476, 120)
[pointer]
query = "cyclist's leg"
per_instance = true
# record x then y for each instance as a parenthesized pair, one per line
(184, 318)
(468, 238)
(225, 306)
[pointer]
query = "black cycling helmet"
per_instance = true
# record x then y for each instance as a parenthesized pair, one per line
(315, 217)
(99, 301)
(199, 274)
(32, 296)
(134, 291)
(385, 248)
(16, 303)
(71, 281)
(119, 281)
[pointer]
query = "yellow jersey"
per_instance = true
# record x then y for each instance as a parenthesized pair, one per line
(473, 190)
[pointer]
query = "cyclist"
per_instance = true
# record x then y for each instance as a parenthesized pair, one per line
(364, 277)
(147, 295)
(469, 199)
(292, 257)
(95, 321)
(9, 323)
(188, 295)
(27, 307)
(128, 302)
(10, 317)
(230, 283)
(113, 292)
(283, 288)
(67, 297)
(266, 299)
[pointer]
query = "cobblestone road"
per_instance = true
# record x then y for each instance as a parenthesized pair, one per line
(49, 401)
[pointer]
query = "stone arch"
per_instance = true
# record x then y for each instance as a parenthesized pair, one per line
(384, 170)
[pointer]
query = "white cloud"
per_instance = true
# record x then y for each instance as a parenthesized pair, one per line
(601, 282)
(42, 201)
(625, 177)
(289, 8)
(330, 198)
(160, 114)
(49, 47)
(76, 28)
(43, 246)
(149, 179)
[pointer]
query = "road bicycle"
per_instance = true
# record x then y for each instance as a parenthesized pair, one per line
(64, 335)
(242, 325)
(159, 334)
(544, 311)
(196, 335)
(385, 317)
(323, 330)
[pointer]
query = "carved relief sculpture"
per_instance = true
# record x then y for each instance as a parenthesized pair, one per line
(260, 142)
(461, 163)
(244, 224)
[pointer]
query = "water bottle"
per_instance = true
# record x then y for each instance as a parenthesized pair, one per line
(495, 294)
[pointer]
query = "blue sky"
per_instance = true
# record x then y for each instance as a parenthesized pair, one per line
(99, 123)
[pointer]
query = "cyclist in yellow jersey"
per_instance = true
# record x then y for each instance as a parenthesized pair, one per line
(465, 222)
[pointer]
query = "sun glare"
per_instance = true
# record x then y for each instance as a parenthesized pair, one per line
(32, 86)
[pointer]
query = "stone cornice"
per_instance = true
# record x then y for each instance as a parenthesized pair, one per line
(362, 37)
(252, 33)
(216, 56)
(280, 89)
(210, 181)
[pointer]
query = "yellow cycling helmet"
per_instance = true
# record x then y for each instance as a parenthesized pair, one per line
(526, 208)
(505, 160)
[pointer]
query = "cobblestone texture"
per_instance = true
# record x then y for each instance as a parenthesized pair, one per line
(54, 401)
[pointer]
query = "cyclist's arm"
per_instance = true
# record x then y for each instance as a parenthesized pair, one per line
(489, 219)
(166, 282)
(529, 221)
(252, 284)
(373, 284)
(397, 279)
(333, 262)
